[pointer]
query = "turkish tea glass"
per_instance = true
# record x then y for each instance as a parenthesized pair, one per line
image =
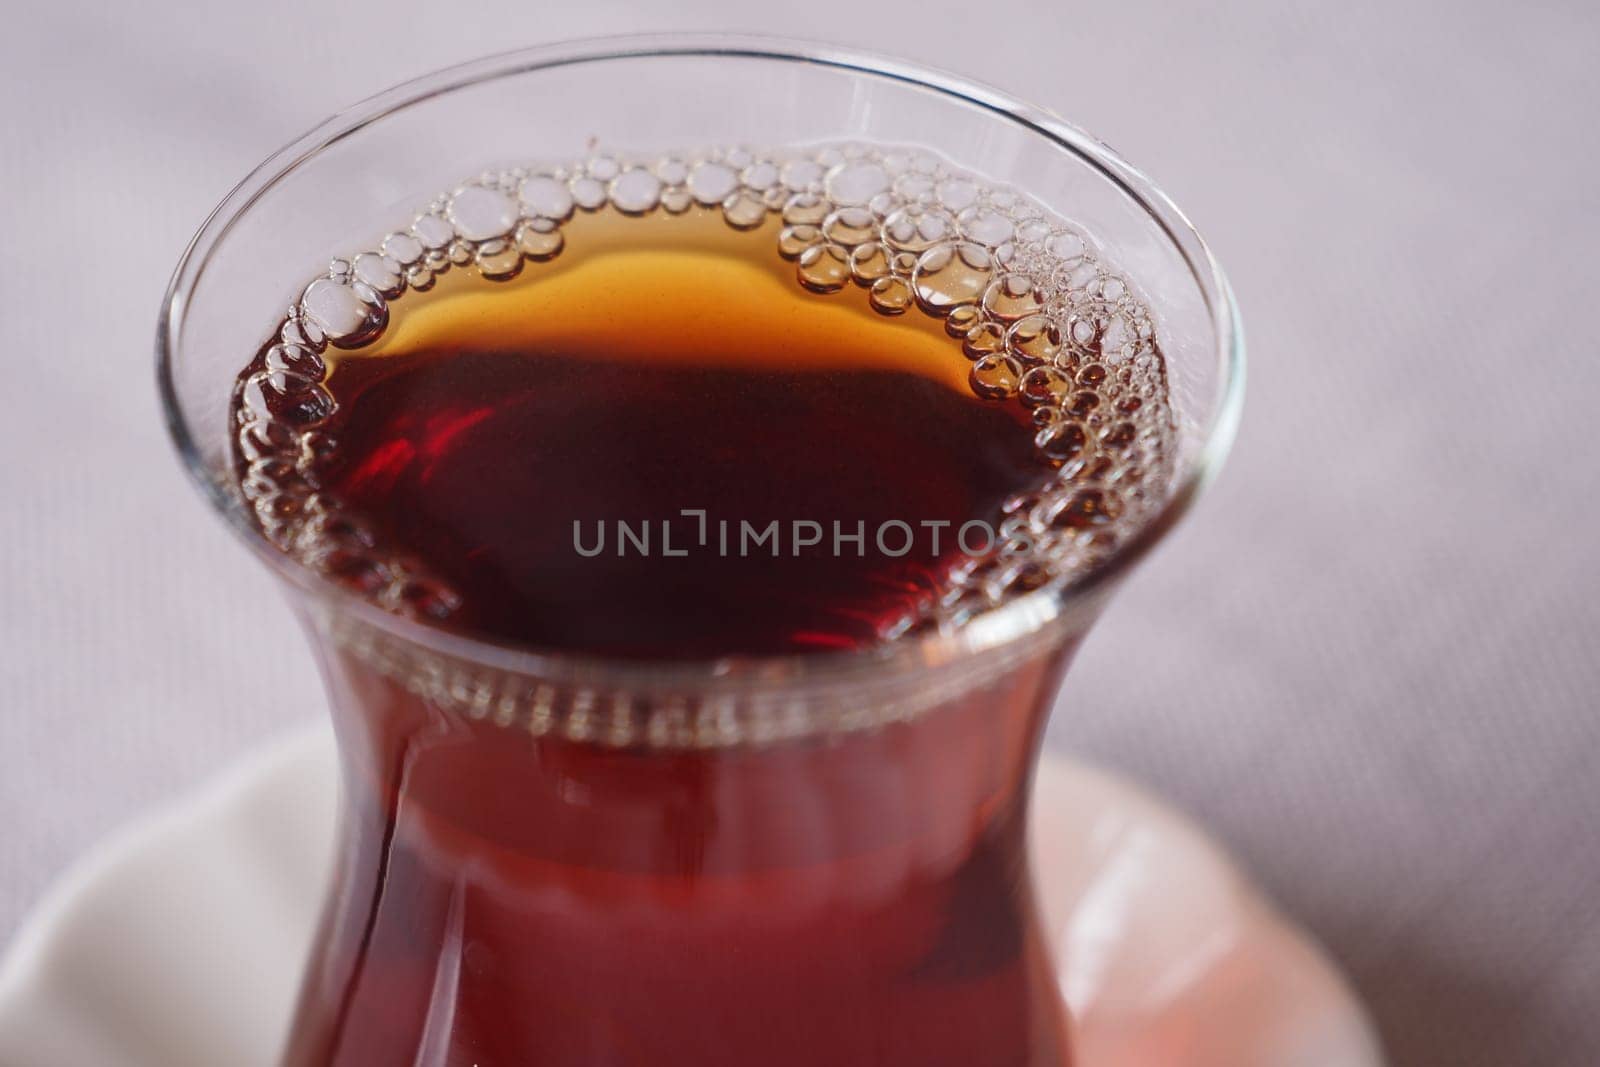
(556, 861)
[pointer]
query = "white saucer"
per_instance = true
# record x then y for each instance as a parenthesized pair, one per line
(178, 943)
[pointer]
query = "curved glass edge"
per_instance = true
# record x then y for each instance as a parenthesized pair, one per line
(1055, 611)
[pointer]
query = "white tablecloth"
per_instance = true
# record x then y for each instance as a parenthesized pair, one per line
(1368, 661)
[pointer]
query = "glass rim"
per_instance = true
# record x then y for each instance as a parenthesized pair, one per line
(1029, 614)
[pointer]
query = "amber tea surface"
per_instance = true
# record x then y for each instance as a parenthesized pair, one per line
(859, 384)
(501, 432)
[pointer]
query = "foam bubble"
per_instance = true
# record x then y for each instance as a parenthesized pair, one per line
(760, 176)
(480, 213)
(498, 259)
(296, 359)
(349, 315)
(956, 194)
(545, 197)
(672, 170)
(796, 239)
(1035, 339)
(824, 267)
(434, 232)
(890, 296)
(1045, 385)
(539, 238)
(982, 339)
(856, 183)
(806, 209)
(635, 191)
(802, 175)
(986, 226)
(950, 274)
(380, 271)
(869, 263)
(403, 248)
(916, 229)
(602, 168)
(292, 400)
(588, 192)
(712, 183)
(995, 376)
(744, 210)
(850, 226)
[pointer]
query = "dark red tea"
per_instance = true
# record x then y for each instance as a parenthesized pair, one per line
(669, 429)
(672, 371)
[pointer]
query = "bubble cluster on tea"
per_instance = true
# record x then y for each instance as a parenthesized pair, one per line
(546, 364)
(703, 405)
